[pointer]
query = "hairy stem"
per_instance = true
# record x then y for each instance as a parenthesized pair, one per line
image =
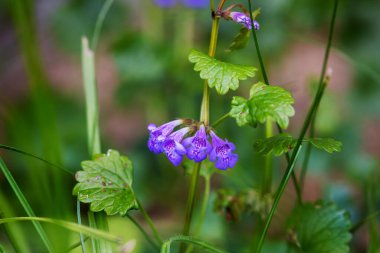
(204, 117)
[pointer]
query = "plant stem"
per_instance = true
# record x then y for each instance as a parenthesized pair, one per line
(220, 120)
(267, 182)
(310, 115)
(147, 237)
(307, 154)
(268, 161)
(99, 23)
(79, 221)
(36, 157)
(321, 79)
(203, 210)
(191, 201)
(150, 222)
(75, 245)
(291, 165)
(364, 221)
(204, 117)
(204, 205)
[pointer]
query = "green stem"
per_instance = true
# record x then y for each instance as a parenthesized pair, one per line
(25, 204)
(36, 157)
(99, 23)
(310, 115)
(79, 221)
(267, 182)
(204, 117)
(75, 245)
(150, 222)
(204, 205)
(203, 210)
(92, 224)
(220, 120)
(321, 79)
(147, 237)
(191, 199)
(364, 221)
(268, 163)
(307, 154)
(291, 165)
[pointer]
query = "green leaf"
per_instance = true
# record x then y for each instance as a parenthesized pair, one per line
(277, 144)
(320, 228)
(240, 41)
(106, 183)
(221, 75)
(265, 102)
(284, 142)
(327, 144)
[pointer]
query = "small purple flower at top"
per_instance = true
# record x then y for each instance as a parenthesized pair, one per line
(243, 19)
(173, 148)
(198, 147)
(158, 134)
(221, 153)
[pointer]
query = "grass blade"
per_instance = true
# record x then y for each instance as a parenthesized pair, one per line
(70, 226)
(28, 209)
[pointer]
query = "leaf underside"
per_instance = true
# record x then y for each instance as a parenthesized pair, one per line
(284, 142)
(320, 228)
(106, 183)
(221, 75)
(265, 102)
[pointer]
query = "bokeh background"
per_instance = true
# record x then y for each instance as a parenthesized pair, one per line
(143, 76)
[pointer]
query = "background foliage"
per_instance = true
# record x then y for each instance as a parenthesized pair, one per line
(144, 76)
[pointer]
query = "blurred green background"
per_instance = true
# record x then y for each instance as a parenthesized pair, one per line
(143, 76)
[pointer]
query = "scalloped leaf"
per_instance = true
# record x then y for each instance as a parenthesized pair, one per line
(221, 75)
(284, 142)
(327, 144)
(106, 183)
(265, 102)
(277, 144)
(320, 228)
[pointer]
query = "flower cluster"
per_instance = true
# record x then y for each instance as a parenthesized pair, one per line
(188, 3)
(243, 19)
(177, 144)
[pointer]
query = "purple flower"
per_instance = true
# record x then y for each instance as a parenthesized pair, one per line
(243, 19)
(198, 147)
(221, 153)
(158, 134)
(173, 148)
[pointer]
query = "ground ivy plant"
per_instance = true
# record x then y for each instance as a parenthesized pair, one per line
(105, 182)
